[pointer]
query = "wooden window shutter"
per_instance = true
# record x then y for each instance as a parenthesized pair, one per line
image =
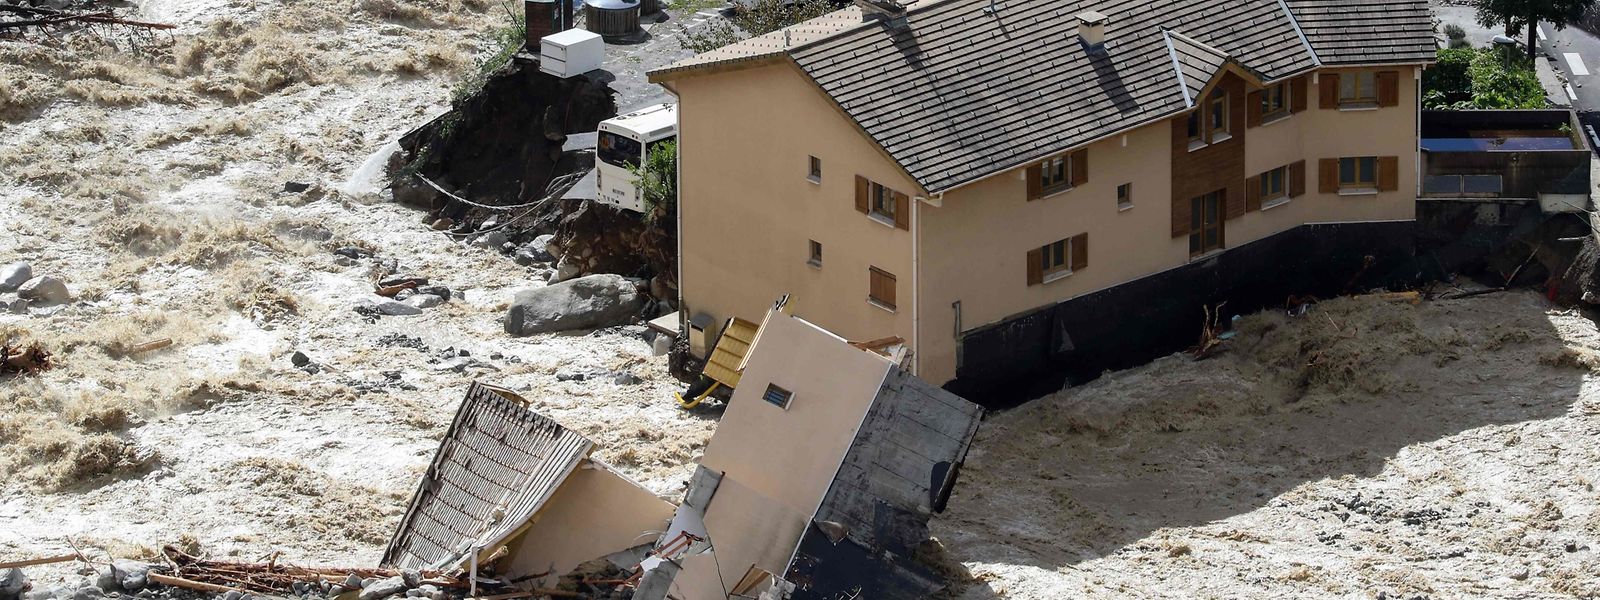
(1080, 167)
(1388, 173)
(862, 189)
(902, 211)
(1388, 88)
(1328, 90)
(1180, 217)
(1036, 266)
(1297, 94)
(1080, 252)
(1252, 109)
(1252, 194)
(881, 286)
(1035, 187)
(1297, 179)
(1233, 203)
(1328, 176)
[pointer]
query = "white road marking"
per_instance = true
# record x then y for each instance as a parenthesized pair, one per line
(1570, 94)
(1575, 62)
(1540, 30)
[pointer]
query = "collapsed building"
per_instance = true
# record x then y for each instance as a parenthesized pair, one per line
(820, 479)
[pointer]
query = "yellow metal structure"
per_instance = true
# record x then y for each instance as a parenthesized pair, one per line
(723, 366)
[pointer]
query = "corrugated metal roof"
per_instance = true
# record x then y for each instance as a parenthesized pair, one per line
(498, 464)
(968, 88)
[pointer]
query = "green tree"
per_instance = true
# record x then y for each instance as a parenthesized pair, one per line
(658, 182)
(1517, 14)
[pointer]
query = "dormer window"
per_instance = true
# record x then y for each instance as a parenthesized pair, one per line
(1218, 116)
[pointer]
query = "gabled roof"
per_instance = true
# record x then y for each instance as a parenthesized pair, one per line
(497, 466)
(966, 88)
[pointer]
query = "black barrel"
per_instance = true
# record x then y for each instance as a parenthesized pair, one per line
(612, 18)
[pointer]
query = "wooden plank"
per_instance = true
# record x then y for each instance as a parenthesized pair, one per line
(15, 564)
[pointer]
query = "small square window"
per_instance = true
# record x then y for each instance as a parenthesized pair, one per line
(1274, 184)
(816, 254)
(883, 204)
(777, 396)
(814, 170)
(1125, 195)
(1360, 172)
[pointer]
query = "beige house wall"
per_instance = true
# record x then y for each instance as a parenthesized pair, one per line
(745, 229)
(594, 513)
(974, 247)
(778, 463)
(748, 209)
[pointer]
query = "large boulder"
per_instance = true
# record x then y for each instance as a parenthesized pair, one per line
(582, 303)
(12, 584)
(44, 289)
(384, 588)
(12, 276)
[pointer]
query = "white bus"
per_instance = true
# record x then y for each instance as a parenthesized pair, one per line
(622, 144)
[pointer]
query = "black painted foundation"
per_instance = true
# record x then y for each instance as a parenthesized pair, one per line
(1039, 352)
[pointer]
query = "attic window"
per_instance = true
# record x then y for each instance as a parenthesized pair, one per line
(778, 396)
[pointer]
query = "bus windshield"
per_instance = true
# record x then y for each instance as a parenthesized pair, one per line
(619, 151)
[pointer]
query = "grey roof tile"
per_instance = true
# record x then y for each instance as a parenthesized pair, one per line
(497, 465)
(962, 91)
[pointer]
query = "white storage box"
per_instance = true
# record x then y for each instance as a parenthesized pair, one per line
(571, 52)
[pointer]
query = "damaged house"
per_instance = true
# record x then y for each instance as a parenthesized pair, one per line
(1041, 187)
(513, 497)
(820, 479)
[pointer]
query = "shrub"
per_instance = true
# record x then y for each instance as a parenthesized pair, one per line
(765, 16)
(1467, 78)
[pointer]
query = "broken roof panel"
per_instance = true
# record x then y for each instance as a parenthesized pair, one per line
(497, 466)
(969, 88)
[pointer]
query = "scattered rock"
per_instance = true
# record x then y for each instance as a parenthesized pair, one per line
(12, 276)
(492, 240)
(584, 303)
(424, 300)
(44, 289)
(88, 592)
(295, 187)
(396, 308)
(402, 279)
(571, 376)
(13, 303)
(565, 270)
(547, 243)
(299, 359)
(436, 290)
(13, 582)
(132, 576)
(1520, 574)
(411, 577)
(443, 223)
(405, 293)
(352, 582)
(537, 251)
(626, 378)
(383, 588)
(661, 345)
(353, 252)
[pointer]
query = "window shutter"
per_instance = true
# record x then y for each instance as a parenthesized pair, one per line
(1252, 194)
(1328, 176)
(1297, 94)
(1080, 252)
(1388, 88)
(1328, 90)
(902, 211)
(1297, 179)
(1388, 173)
(1080, 167)
(1035, 188)
(1233, 203)
(1252, 109)
(1180, 217)
(861, 194)
(1036, 266)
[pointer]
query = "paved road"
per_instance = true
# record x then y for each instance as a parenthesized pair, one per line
(1577, 56)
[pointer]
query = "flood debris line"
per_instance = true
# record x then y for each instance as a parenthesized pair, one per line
(25, 359)
(282, 579)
